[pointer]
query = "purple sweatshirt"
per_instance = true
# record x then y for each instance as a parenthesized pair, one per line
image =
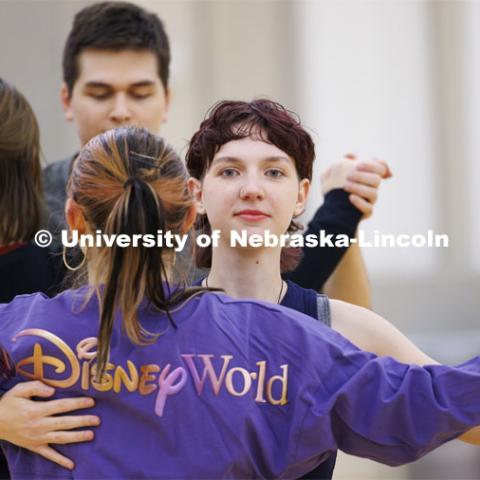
(241, 389)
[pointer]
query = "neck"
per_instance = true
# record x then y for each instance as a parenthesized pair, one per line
(247, 272)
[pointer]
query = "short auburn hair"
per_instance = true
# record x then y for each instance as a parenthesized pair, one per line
(263, 119)
(266, 119)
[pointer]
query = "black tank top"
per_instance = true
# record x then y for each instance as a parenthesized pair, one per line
(315, 305)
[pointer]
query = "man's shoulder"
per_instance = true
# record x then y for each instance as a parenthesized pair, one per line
(57, 171)
(55, 178)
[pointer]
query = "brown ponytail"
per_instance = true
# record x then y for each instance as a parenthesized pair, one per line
(128, 181)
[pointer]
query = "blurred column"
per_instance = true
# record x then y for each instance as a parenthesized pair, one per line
(366, 85)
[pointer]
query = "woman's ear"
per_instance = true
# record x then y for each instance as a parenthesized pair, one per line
(195, 189)
(74, 216)
(189, 219)
(303, 189)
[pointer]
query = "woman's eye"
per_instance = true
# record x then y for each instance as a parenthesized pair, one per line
(229, 172)
(274, 173)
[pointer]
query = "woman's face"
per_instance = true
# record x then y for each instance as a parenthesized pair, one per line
(251, 185)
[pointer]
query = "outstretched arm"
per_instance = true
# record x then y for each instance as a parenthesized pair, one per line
(34, 425)
(375, 407)
(372, 333)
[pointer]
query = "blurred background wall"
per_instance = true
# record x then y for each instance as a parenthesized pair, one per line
(393, 79)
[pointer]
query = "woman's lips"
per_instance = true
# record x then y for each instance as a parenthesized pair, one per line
(252, 215)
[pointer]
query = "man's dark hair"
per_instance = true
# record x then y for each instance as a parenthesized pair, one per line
(115, 26)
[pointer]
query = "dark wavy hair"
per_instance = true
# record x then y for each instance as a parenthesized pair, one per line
(115, 26)
(233, 120)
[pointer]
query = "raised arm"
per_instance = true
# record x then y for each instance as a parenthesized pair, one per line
(349, 282)
(350, 188)
(337, 216)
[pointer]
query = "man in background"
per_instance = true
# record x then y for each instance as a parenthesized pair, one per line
(116, 64)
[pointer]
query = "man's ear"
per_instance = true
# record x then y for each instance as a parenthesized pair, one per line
(195, 189)
(168, 101)
(74, 216)
(66, 100)
(303, 189)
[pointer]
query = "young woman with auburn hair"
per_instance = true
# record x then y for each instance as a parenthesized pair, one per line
(251, 164)
(206, 385)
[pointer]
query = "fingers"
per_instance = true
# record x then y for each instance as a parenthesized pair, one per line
(366, 178)
(365, 207)
(71, 422)
(64, 405)
(367, 193)
(50, 454)
(31, 389)
(62, 438)
(388, 173)
(379, 167)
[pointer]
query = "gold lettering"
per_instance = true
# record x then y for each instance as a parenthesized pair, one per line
(83, 352)
(85, 378)
(284, 381)
(262, 367)
(229, 382)
(131, 383)
(106, 381)
(145, 376)
(38, 360)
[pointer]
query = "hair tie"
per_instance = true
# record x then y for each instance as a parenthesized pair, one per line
(130, 181)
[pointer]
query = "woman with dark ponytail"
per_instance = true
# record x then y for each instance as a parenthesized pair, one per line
(138, 186)
(190, 383)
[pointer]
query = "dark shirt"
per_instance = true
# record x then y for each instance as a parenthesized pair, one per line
(336, 216)
(55, 177)
(306, 301)
(28, 269)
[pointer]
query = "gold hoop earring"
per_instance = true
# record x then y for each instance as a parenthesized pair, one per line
(72, 269)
